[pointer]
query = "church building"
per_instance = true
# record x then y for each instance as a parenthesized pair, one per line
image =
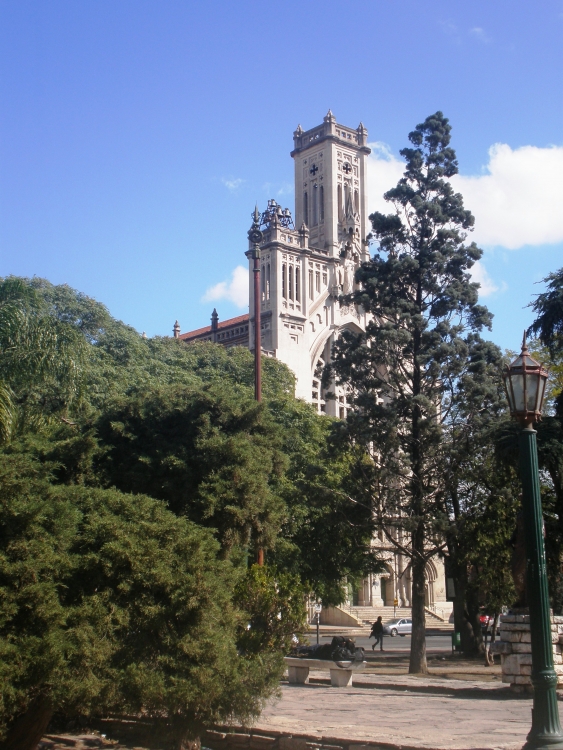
(307, 262)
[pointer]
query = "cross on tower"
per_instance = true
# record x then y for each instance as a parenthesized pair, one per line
(347, 168)
(314, 169)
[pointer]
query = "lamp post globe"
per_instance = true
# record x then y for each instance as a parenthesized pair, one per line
(525, 380)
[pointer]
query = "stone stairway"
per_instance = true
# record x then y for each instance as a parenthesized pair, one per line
(368, 615)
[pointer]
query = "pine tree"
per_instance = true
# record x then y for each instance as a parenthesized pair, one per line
(405, 371)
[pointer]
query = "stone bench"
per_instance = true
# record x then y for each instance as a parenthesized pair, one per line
(340, 676)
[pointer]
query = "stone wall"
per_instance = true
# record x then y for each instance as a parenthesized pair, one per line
(515, 649)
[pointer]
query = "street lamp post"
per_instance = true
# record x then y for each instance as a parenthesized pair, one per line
(256, 236)
(525, 381)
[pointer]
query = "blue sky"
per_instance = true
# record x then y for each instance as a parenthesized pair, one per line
(136, 136)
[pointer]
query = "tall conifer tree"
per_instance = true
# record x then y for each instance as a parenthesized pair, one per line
(405, 371)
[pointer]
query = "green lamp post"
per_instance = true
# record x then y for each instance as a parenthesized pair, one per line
(525, 381)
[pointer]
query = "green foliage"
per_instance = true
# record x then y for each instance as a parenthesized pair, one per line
(274, 605)
(122, 363)
(325, 536)
(213, 454)
(111, 602)
(40, 361)
(548, 306)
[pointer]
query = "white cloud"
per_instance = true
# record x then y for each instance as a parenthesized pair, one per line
(516, 202)
(235, 290)
(286, 188)
(478, 33)
(384, 171)
(519, 201)
(480, 275)
(232, 184)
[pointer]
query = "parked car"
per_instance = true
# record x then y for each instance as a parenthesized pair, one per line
(400, 626)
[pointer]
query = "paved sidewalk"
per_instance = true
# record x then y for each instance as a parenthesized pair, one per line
(407, 712)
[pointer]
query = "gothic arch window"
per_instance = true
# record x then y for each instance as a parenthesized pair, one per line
(356, 201)
(297, 283)
(315, 204)
(268, 281)
(321, 204)
(306, 209)
(284, 280)
(311, 292)
(340, 212)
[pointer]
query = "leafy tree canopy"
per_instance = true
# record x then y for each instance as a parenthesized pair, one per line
(110, 602)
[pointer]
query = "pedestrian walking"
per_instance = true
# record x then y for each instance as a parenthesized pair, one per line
(377, 633)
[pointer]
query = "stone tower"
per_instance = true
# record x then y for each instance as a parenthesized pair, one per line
(306, 265)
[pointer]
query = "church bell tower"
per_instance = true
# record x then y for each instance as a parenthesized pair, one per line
(330, 185)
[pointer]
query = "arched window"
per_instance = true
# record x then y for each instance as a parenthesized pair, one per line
(305, 209)
(321, 204)
(340, 212)
(297, 280)
(268, 281)
(356, 201)
(284, 280)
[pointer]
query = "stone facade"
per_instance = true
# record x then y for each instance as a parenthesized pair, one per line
(515, 649)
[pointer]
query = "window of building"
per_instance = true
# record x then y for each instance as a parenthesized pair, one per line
(318, 282)
(356, 201)
(321, 204)
(268, 281)
(311, 295)
(339, 202)
(315, 204)
(297, 284)
(325, 278)
(284, 280)
(290, 282)
(305, 209)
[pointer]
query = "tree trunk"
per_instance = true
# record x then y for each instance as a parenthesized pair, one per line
(417, 663)
(461, 622)
(472, 600)
(27, 729)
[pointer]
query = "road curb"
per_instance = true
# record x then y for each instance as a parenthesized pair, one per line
(240, 738)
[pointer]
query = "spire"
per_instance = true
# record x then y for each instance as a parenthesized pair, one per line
(176, 330)
(256, 215)
(329, 117)
(214, 320)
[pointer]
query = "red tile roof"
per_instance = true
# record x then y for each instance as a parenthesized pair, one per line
(223, 324)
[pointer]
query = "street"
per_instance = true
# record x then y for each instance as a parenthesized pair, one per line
(434, 643)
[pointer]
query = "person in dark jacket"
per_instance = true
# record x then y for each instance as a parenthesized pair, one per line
(377, 633)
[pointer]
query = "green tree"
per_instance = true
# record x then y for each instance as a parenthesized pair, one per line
(274, 604)
(212, 454)
(40, 360)
(405, 370)
(110, 602)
